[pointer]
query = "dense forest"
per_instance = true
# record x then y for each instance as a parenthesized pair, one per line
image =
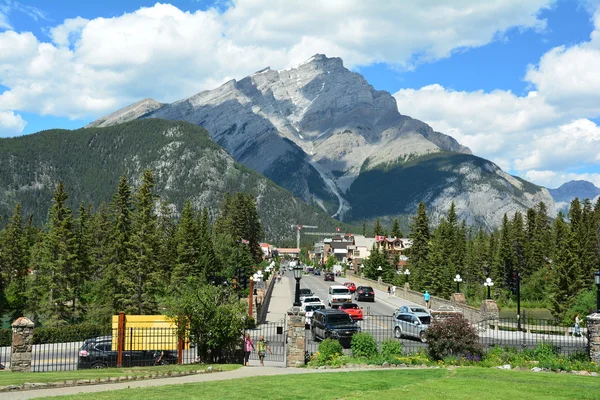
(128, 255)
(554, 259)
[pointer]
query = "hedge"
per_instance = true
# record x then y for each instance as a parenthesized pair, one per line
(67, 333)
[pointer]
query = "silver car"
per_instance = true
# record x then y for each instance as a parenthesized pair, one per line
(411, 324)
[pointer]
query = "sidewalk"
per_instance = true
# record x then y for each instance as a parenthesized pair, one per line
(244, 372)
(282, 299)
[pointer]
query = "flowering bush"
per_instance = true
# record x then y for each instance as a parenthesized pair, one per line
(453, 336)
(329, 350)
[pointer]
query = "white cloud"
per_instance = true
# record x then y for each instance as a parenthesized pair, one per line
(552, 179)
(92, 67)
(11, 124)
(540, 135)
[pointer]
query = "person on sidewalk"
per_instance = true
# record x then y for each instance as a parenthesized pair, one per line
(262, 347)
(248, 347)
(426, 298)
(394, 291)
(389, 291)
(577, 331)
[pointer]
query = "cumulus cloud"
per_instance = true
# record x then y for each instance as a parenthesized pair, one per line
(11, 124)
(539, 135)
(91, 67)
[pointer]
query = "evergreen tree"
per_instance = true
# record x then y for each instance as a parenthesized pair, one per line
(208, 262)
(188, 246)
(418, 253)
(396, 232)
(562, 281)
(82, 266)
(14, 262)
(364, 229)
(140, 280)
(378, 258)
(378, 229)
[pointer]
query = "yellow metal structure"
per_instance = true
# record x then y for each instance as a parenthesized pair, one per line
(147, 332)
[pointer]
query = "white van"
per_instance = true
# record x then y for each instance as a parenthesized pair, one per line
(338, 294)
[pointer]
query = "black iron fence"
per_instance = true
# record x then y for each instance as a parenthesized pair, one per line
(497, 332)
(274, 333)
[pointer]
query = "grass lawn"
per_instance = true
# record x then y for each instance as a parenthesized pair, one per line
(18, 378)
(427, 384)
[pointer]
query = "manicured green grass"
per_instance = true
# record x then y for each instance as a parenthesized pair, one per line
(18, 378)
(427, 384)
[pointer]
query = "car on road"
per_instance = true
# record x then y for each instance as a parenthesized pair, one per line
(304, 292)
(329, 276)
(317, 272)
(309, 309)
(333, 324)
(312, 299)
(411, 324)
(351, 286)
(338, 294)
(411, 309)
(365, 293)
(352, 309)
(99, 353)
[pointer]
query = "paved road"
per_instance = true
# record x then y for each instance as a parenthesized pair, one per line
(378, 315)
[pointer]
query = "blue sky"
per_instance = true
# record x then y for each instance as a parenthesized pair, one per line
(494, 79)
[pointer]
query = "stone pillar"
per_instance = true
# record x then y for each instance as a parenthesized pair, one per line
(296, 336)
(593, 327)
(460, 298)
(22, 345)
(489, 310)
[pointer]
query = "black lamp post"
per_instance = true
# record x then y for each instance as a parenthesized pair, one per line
(488, 282)
(597, 281)
(458, 280)
(297, 276)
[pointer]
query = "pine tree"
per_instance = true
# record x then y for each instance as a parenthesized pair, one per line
(364, 229)
(562, 280)
(82, 266)
(208, 263)
(418, 253)
(378, 258)
(140, 280)
(378, 229)
(396, 232)
(188, 246)
(14, 261)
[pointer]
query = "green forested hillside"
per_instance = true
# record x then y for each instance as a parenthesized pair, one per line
(186, 162)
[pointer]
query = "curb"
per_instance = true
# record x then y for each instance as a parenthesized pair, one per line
(101, 381)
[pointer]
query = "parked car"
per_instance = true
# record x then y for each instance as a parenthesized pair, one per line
(334, 324)
(98, 353)
(411, 324)
(353, 310)
(312, 299)
(338, 294)
(351, 286)
(410, 309)
(304, 292)
(329, 276)
(365, 293)
(309, 309)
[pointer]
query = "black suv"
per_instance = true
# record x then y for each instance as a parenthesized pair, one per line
(98, 353)
(364, 293)
(334, 324)
(329, 276)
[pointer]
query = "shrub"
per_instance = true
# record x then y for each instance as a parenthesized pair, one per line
(364, 345)
(329, 349)
(391, 348)
(453, 336)
(69, 333)
(5, 337)
(250, 322)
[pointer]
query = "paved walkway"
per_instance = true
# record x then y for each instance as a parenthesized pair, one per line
(282, 298)
(244, 372)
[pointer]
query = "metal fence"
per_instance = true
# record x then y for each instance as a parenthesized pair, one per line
(498, 332)
(275, 335)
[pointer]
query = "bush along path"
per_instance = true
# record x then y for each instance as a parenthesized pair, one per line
(450, 343)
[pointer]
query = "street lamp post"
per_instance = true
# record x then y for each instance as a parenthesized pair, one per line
(488, 282)
(379, 269)
(297, 276)
(458, 280)
(250, 296)
(597, 281)
(406, 275)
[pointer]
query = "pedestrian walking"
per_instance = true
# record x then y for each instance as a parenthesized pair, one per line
(389, 291)
(577, 330)
(248, 347)
(394, 291)
(426, 298)
(262, 348)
